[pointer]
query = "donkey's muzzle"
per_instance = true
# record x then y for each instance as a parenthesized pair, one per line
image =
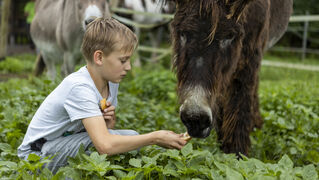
(198, 124)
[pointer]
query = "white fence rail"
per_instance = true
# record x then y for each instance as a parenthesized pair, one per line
(304, 18)
(293, 19)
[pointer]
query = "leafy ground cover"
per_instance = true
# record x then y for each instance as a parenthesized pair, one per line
(287, 146)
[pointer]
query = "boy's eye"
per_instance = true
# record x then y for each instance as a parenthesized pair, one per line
(124, 60)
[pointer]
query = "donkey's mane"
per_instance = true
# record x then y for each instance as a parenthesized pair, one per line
(213, 10)
(236, 8)
(211, 7)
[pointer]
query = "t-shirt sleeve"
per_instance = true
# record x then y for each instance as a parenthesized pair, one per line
(82, 102)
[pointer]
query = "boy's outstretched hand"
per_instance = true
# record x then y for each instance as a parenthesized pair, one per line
(169, 139)
(108, 112)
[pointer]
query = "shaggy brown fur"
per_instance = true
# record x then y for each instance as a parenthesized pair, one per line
(218, 46)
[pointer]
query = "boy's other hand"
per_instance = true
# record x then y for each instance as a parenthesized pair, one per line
(109, 115)
(169, 139)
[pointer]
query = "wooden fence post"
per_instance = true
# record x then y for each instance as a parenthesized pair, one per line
(305, 38)
(4, 26)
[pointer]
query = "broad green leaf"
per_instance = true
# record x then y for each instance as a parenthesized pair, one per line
(111, 178)
(33, 158)
(130, 175)
(257, 176)
(232, 174)
(115, 167)
(187, 149)
(5, 147)
(69, 172)
(9, 164)
(173, 153)
(26, 175)
(286, 175)
(196, 161)
(148, 161)
(170, 169)
(286, 162)
(220, 166)
(119, 173)
(98, 158)
(135, 162)
(179, 165)
(46, 174)
(139, 175)
(215, 175)
(309, 172)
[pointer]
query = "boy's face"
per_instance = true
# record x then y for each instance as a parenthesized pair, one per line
(116, 65)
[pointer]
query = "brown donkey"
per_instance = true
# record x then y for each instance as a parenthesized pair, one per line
(218, 48)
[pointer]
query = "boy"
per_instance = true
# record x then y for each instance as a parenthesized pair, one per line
(70, 115)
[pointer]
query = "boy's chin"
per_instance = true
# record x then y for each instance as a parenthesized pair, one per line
(116, 81)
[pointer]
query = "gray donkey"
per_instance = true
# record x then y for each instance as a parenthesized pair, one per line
(57, 30)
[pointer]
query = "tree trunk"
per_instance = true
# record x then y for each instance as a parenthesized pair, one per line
(4, 26)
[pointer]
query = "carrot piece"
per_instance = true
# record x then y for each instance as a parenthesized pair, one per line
(186, 136)
(103, 104)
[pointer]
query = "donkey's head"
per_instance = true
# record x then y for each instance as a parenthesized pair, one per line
(207, 37)
(88, 10)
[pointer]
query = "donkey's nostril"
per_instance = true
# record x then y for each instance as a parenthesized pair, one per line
(88, 21)
(185, 119)
(197, 124)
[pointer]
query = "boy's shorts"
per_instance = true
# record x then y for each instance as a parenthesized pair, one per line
(68, 146)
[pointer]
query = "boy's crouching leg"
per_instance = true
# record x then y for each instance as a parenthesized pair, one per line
(63, 148)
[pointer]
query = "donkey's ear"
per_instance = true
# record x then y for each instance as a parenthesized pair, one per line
(236, 8)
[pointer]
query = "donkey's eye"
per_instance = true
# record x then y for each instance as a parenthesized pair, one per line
(183, 39)
(226, 42)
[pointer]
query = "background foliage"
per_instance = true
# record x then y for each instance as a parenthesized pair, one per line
(287, 146)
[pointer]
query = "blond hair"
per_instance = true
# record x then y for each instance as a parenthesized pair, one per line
(107, 35)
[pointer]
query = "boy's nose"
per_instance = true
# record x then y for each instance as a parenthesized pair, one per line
(128, 66)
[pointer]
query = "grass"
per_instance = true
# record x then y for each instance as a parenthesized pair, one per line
(291, 59)
(20, 64)
(284, 74)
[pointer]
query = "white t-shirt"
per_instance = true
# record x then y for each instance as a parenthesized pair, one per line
(74, 99)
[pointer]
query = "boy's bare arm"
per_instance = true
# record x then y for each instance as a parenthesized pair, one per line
(110, 144)
(108, 112)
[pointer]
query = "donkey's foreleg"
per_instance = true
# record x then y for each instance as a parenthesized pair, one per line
(68, 63)
(39, 65)
(238, 118)
(50, 64)
(258, 121)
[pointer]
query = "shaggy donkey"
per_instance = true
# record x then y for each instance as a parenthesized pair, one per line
(218, 47)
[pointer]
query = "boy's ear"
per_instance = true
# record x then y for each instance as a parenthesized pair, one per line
(97, 57)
